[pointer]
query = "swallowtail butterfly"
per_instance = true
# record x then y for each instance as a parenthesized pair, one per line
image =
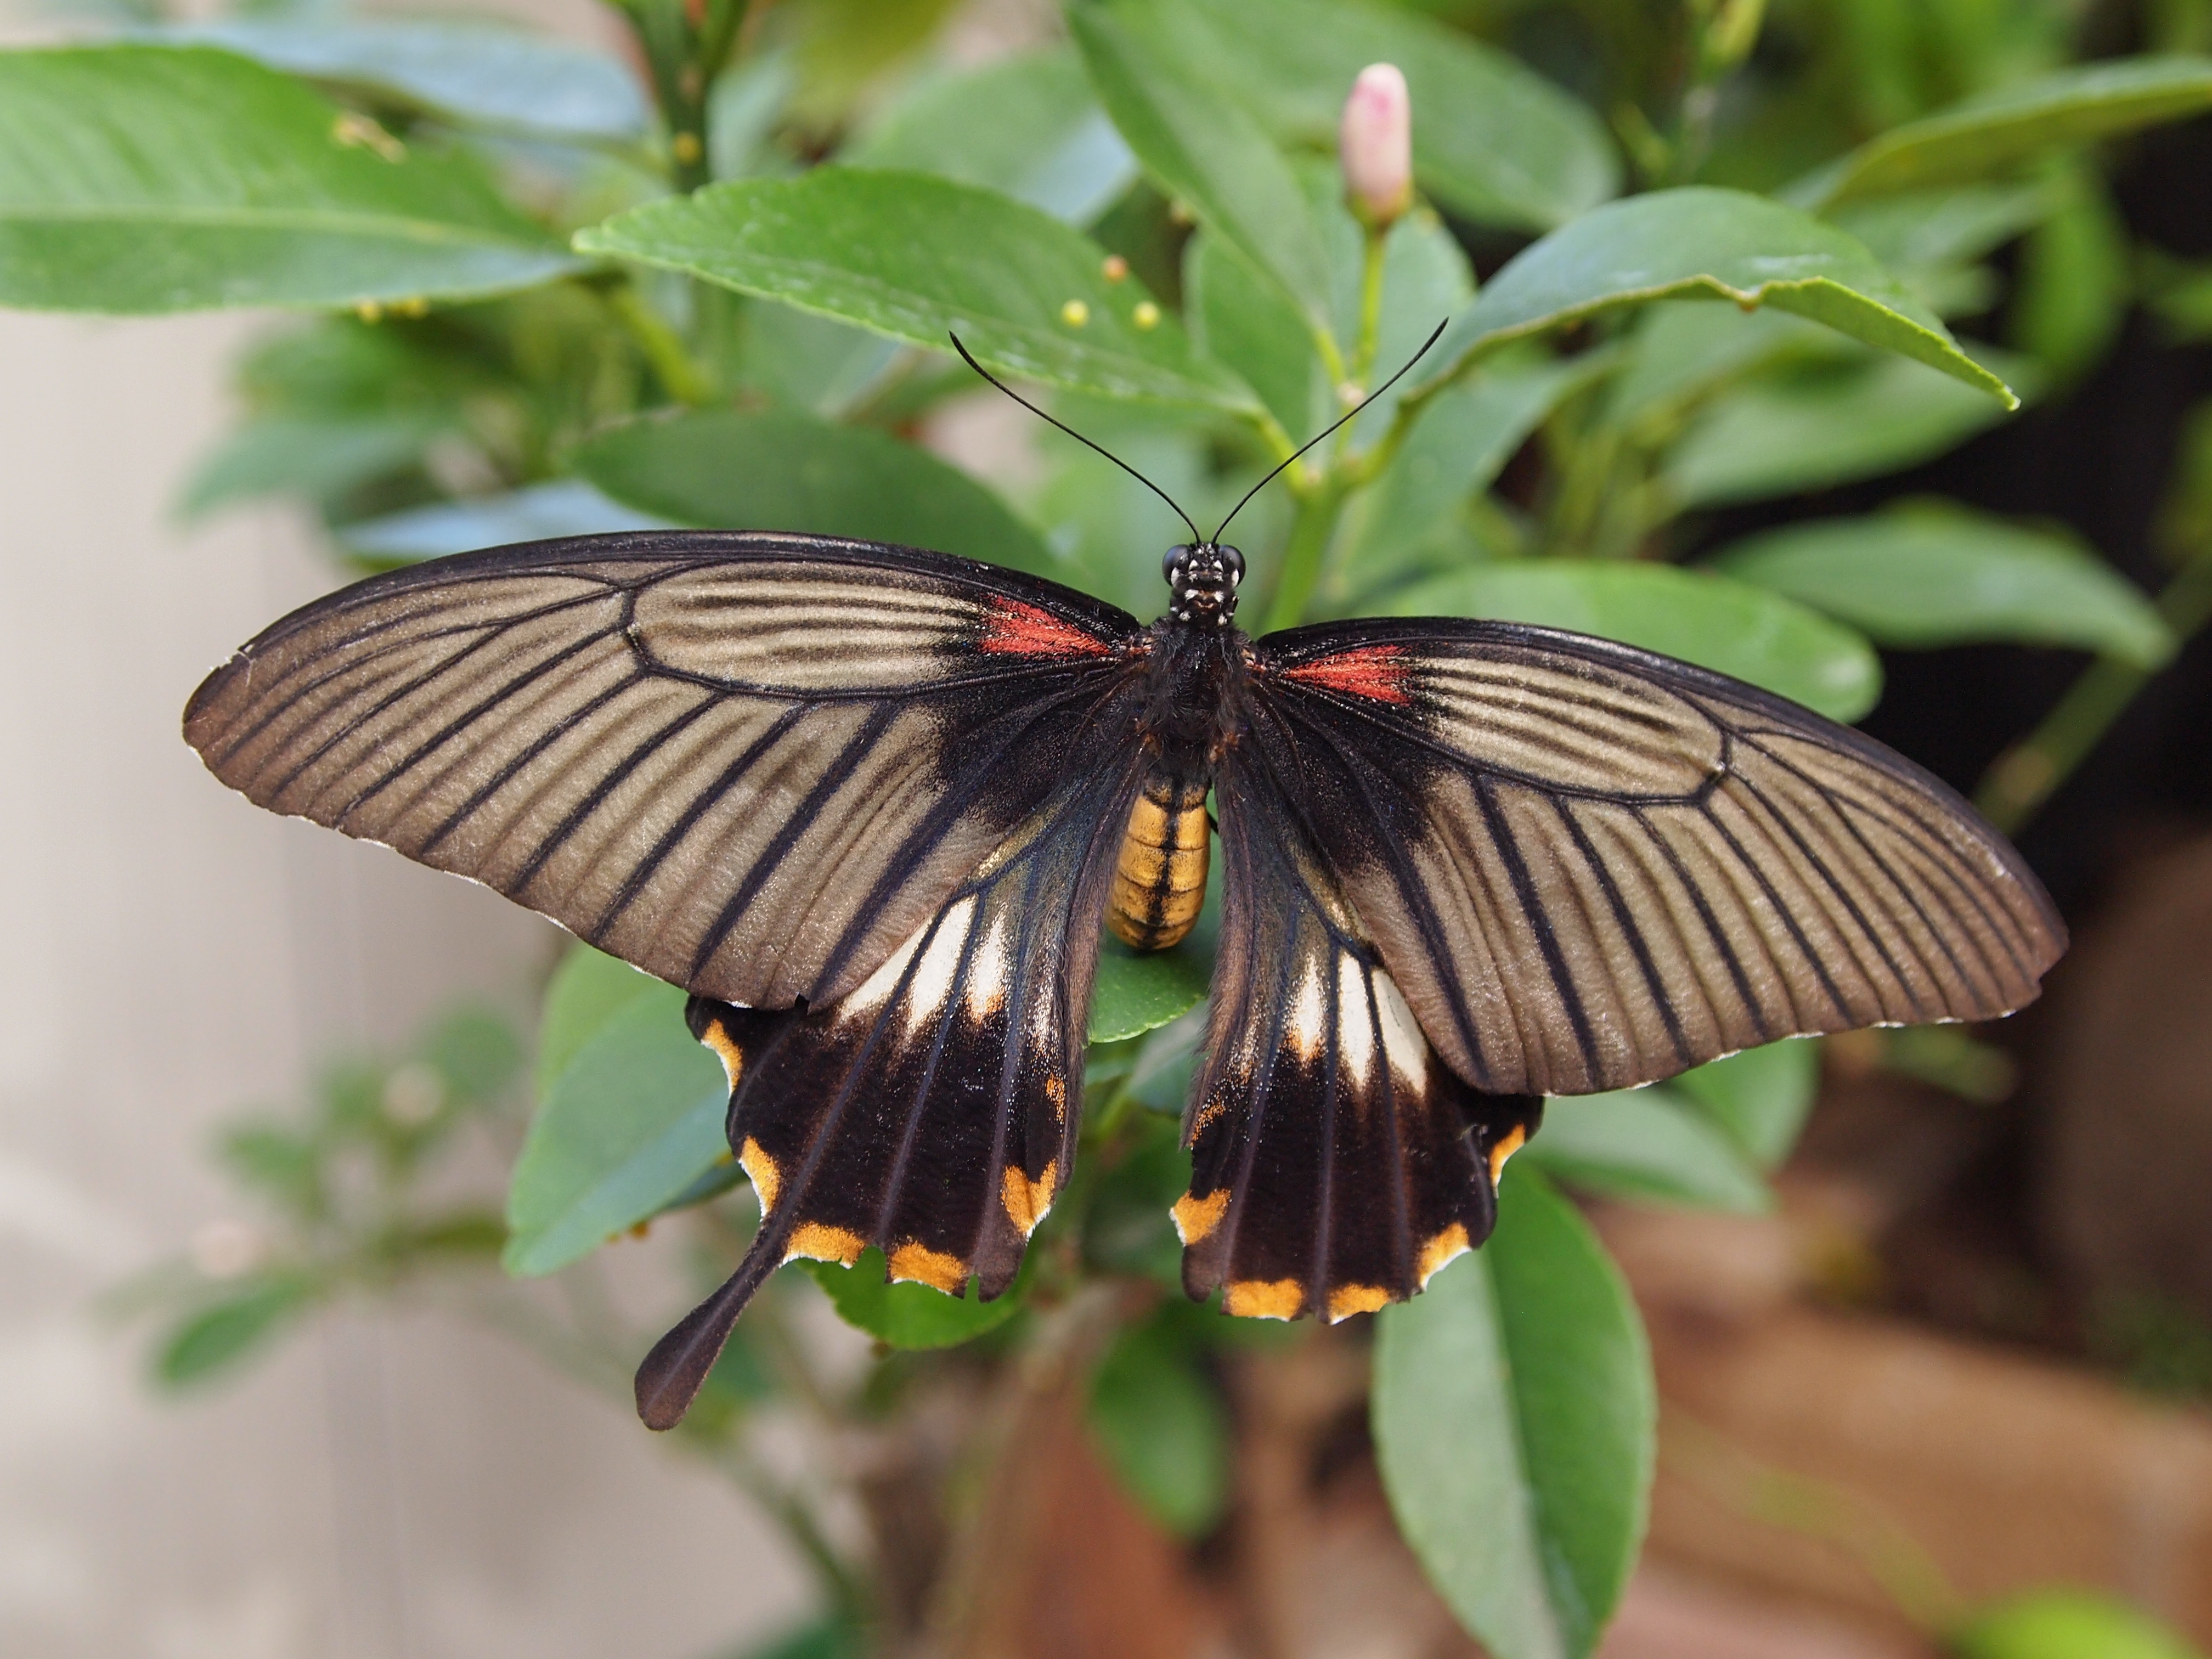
(871, 806)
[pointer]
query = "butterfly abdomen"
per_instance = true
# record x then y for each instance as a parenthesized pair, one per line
(1159, 882)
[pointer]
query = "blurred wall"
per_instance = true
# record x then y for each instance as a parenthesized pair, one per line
(387, 1488)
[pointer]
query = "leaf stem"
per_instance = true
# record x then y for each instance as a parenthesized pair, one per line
(1311, 531)
(2021, 780)
(662, 346)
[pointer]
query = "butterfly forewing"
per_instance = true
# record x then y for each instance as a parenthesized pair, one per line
(750, 764)
(1589, 867)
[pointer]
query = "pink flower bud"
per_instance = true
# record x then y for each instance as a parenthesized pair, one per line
(1376, 145)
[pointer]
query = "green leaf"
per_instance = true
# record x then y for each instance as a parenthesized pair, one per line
(225, 1333)
(1845, 422)
(1047, 142)
(632, 1120)
(1646, 1143)
(1684, 351)
(1204, 150)
(534, 513)
(1976, 139)
(589, 988)
(780, 470)
(1760, 1095)
(1711, 243)
(1493, 140)
(1714, 621)
(832, 1637)
(474, 1050)
(911, 257)
(1240, 318)
(2067, 1624)
(154, 179)
(1138, 990)
(2076, 277)
(910, 1316)
(473, 72)
(1158, 1420)
(1928, 576)
(1514, 1416)
(317, 457)
(1924, 229)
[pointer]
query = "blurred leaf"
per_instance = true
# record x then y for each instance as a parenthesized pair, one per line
(2074, 280)
(743, 111)
(1715, 622)
(1161, 1078)
(1240, 318)
(589, 988)
(780, 470)
(1921, 229)
(472, 72)
(1947, 1057)
(1645, 1144)
(317, 457)
(534, 513)
(225, 1333)
(808, 362)
(153, 178)
(1704, 243)
(1979, 137)
(1204, 149)
(910, 1316)
(283, 1162)
(825, 1638)
(1046, 142)
(1513, 1416)
(1127, 1228)
(1685, 351)
(475, 1051)
(629, 1123)
(1139, 990)
(1156, 1417)
(2067, 1624)
(912, 257)
(1458, 445)
(1784, 436)
(1493, 140)
(1760, 1095)
(1930, 576)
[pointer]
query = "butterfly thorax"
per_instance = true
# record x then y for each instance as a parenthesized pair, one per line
(1191, 711)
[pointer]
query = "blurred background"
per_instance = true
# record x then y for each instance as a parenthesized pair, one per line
(1967, 1355)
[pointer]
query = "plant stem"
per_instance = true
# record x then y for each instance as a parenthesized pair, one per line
(1310, 533)
(662, 346)
(1370, 307)
(2021, 780)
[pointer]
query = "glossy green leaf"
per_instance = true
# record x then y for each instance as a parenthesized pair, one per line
(1931, 576)
(1856, 420)
(534, 513)
(1973, 140)
(589, 988)
(1139, 990)
(154, 179)
(2067, 1624)
(1706, 243)
(1647, 1144)
(471, 72)
(1046, 142)
(1493, 140)
(1714, 621)
(1204, 149)
(909, 1315)
(780, 470)
(632, 1120)
(1162, 1426)
(315, 456)
(1514, 1416)
(225, 1333)
(911, 257)
(1760, 1096)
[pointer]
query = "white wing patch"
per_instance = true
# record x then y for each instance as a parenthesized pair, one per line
(939, 965)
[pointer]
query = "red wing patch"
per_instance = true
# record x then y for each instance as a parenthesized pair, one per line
(1013, 629)
(1377, 672)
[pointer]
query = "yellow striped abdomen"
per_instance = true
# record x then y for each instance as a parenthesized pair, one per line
(1160, 881)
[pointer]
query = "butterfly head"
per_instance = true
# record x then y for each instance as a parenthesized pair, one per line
(1203, 578)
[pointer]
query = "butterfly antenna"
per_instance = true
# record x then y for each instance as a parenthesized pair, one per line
(967, 358)
(1340, 421)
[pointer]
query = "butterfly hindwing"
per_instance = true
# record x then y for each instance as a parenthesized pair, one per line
(1589, 867)
(751, 764)
(1336, 1162)
(932, 1112)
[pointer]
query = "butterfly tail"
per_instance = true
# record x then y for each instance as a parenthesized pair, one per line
(673, 1373)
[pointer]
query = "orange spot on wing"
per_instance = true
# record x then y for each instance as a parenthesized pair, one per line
(1016, 629)
(1377, 672)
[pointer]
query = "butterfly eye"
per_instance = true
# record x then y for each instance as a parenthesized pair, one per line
(1233, 561)
(1171, 565)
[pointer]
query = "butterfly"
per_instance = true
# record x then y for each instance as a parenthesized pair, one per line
(871, 804)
